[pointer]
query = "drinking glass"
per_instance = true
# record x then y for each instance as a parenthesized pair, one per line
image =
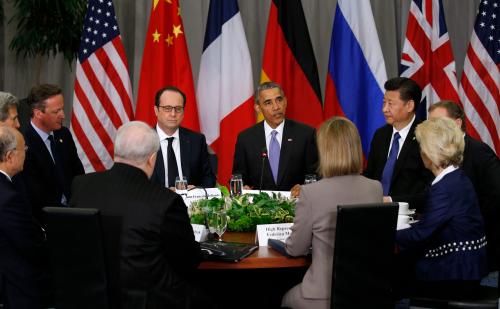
(310, 178)
(181, 185)
(217, 222)
(236, 185)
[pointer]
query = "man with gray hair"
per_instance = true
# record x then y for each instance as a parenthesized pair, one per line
(20, 236)
(158, 253)
(8, 110)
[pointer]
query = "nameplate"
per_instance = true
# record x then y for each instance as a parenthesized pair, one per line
(198, 194)
(285, 194)
(279, 231)
(200, 232)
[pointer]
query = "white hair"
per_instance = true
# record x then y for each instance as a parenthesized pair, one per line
(135, 142)
(8, 141)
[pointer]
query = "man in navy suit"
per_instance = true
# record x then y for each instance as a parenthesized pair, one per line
(52, 159)
(482, 166)
(289, 146)
(20, 236)
(406, 178)
(182, 152)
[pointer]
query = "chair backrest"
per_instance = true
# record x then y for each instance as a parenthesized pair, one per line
(363, 256)
(76, 253)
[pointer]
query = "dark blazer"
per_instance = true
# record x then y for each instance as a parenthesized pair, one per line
(450, 233)
(39, 172)
(158, 252)
(482, 166)
(410, 177)
(298, 156)
(194, 160)
(20, 241)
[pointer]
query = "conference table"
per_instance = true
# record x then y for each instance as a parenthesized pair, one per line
(258, 281)
(264, 257)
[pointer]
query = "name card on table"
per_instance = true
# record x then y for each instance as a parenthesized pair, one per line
(198, 194)
(200, 232)
(279, 231)
(270, 193)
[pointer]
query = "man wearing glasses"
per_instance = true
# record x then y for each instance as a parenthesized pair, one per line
(183, 153)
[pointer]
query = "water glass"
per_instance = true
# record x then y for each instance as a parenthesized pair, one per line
(217, 222)
(181, 185)
(236, 185)
(310, 178)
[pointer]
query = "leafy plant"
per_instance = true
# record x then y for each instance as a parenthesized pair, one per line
(248, 210)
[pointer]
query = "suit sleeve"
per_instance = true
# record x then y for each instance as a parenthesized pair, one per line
(436, 214)
(76, 163)
(299, 242)
(208, 176)
(312, 154)
(370, 164)
(240, 162)
(184, 252)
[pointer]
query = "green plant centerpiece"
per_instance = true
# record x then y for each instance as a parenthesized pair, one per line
(246, 211)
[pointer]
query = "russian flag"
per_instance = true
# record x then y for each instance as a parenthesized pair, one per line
(356, 70)
(225, 83)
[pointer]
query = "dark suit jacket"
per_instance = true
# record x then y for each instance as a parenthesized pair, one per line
(298, 156)
(157, 247)
(39, 172)
(482, 166)
(20, 241)
(410, 177)
(450, 233)
(194, 160)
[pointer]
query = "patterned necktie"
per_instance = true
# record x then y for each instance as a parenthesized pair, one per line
(58, 167)
(274, 155)
(171, 163)
(389, 165)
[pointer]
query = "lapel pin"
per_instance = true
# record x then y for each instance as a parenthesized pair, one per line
(60, 140)
(290, 140)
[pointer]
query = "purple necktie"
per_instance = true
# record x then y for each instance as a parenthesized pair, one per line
(274, 155)
(389, 165)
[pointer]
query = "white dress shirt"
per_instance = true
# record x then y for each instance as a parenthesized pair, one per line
(403, 133)
(45, 138)
(268, 130)
(177, 151)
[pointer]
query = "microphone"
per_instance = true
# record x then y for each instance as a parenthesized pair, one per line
(263, 154)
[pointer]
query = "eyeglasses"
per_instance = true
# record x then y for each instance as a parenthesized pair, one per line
(169, 109)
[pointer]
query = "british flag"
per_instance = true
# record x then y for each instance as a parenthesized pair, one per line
(427, 56)
(480, 83)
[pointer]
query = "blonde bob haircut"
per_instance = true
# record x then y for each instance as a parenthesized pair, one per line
(339, 148)
(442, 141)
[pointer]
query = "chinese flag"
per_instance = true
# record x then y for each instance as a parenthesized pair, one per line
(289, 61)
(165, 62)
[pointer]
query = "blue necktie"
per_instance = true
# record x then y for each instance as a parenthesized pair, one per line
(274, 155)
(389, 165)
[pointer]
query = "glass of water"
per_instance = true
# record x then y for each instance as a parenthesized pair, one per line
(236, 185)
(181, 185)
(217, 222)
(310, 178)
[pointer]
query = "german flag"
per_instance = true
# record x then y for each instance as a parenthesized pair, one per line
(289, 61)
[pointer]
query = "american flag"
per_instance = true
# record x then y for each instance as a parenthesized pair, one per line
(480, 84)
(102, 100)
(427, 56)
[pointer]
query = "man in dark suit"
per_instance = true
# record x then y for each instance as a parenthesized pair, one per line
(394, 157)
(482, 166)
(8, 110)
(158, 252)
(20, 236)
(52, 160)
(277, 150)
(182, 152)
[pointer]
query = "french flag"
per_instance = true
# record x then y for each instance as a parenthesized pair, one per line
(225, 83)
(356, 70)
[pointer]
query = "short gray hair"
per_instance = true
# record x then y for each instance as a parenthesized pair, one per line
(265, 86)
(7, 101)
(135, 142)
(8, 141)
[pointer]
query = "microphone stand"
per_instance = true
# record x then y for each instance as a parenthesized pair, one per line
(264, 156)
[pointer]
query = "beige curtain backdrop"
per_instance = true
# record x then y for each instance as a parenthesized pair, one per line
(17, 75)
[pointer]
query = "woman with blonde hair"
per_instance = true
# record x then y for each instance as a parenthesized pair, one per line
(448, 242)
(340, 165)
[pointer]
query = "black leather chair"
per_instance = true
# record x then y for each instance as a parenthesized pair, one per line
(76, 252)
(363, 256)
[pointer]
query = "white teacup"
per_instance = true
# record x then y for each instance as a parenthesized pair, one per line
(404, 208)
(403, 222)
